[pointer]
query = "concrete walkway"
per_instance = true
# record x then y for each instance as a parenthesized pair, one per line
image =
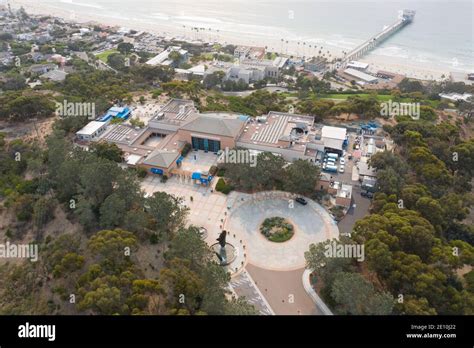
(244, 286)
(284, 291)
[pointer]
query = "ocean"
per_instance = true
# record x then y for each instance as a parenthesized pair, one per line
(442, 33)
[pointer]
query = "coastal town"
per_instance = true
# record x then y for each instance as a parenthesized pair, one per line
(230, 169)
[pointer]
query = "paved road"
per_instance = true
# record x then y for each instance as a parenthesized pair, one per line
(360, 210)
(284, 291)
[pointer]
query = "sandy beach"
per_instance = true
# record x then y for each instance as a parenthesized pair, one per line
(409, 68)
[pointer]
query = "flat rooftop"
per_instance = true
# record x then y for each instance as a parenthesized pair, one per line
(360, 75)
(333, 132)
(121, 133)
(176, 111)
(91, 128)
(345, 191)
(278, 126)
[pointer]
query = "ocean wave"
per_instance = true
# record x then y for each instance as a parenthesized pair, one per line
(162, 16)
(392, 51)
(71, 2)
(197, 19)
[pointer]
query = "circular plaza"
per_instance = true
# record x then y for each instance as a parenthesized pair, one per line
(311, 223)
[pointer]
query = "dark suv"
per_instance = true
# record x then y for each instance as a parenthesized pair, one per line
(301, 200)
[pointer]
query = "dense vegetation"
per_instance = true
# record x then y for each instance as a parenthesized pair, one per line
(272, 173)
(99, 267)
(417, 243)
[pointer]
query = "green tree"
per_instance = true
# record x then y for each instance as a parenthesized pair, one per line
(125, 47)
(168, 212)
(107, 150)
(112, 211)
(355, 295)
(301, 177)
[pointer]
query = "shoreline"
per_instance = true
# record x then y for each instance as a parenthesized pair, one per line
(377, 62)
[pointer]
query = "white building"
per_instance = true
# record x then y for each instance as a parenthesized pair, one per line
(91, 130)
(454, 97)
(353, 64)
(333, 137)
(360, 75)
(163, 57)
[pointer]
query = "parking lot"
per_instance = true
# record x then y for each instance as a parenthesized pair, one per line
(346, 177)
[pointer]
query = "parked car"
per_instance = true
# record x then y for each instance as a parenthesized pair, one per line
(341, 169)
(301, 200)
(367, 194)
(342, 161)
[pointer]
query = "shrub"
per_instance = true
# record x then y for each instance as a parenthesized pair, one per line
(156, 93)
(221, 186)
(277, 229)
(154, 238)
(141, 172)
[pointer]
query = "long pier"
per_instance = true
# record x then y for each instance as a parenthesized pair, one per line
(405, 17)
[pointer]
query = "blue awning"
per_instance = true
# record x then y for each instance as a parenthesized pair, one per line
(157, 171)
(196, 176)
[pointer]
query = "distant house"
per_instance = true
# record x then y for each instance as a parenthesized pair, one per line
(365, 170)
(241, 51)
(6, 58)
(454, 97)
(253, 70)
(315, 64)
(344, 196)
(357, 65)
(163, 57)
(55, 75)
(361, 76)
(251, 52)
(25, 37)
(37, 57)
(324, 182)
(42, 68)
(43, 38)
